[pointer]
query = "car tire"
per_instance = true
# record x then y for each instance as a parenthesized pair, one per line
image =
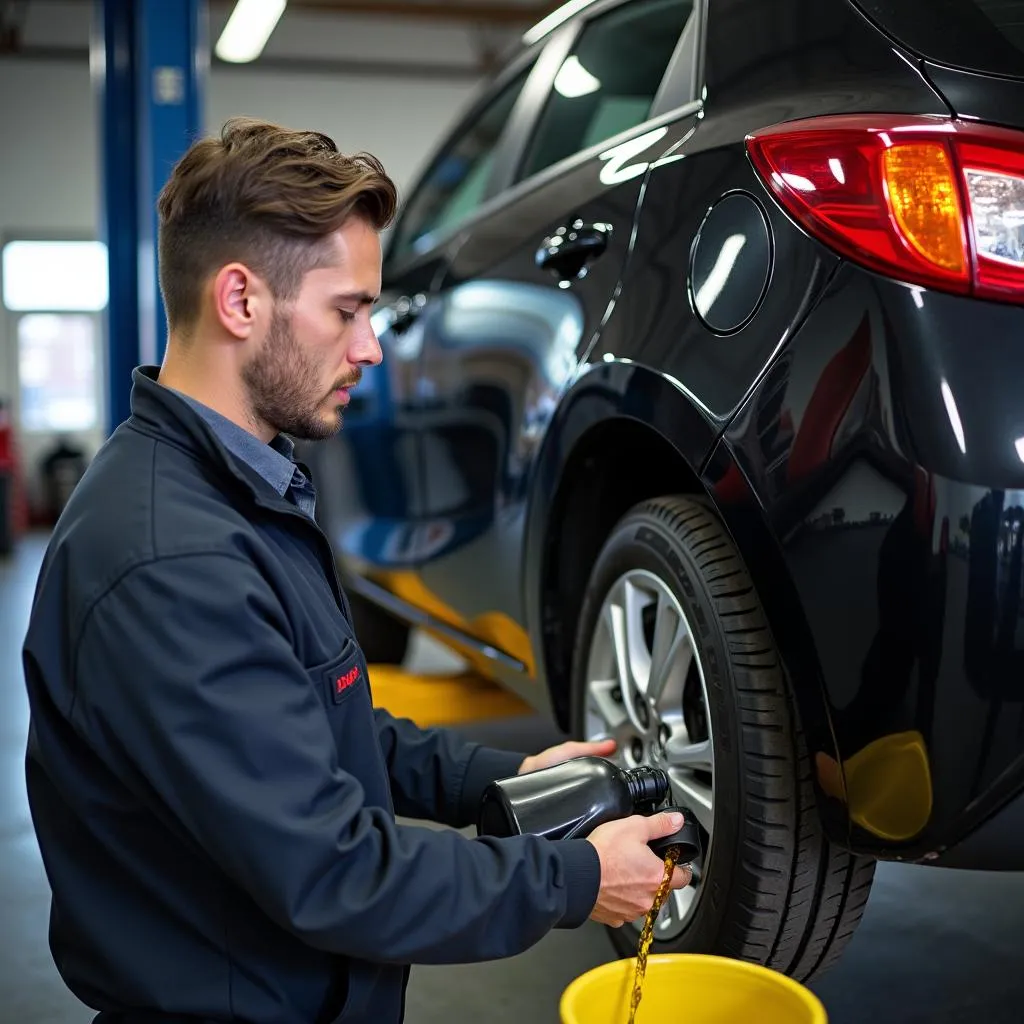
(769, 888)
(383, 637)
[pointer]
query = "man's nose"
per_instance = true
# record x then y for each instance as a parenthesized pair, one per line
(366, 351)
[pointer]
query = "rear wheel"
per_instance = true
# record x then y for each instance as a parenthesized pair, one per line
(675, 660)
(383, 638)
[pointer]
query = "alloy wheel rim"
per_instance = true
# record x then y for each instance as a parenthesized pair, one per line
(645, 688)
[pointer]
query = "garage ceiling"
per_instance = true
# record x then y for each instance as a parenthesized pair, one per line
(518, 13)
(456, 39)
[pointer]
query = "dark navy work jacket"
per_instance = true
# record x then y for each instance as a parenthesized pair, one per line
(213, 792)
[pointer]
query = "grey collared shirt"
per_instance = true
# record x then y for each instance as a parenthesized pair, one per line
(274, 462)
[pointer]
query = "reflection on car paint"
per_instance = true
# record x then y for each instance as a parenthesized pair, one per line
(617, 168)
(820, 445)
(861, 438)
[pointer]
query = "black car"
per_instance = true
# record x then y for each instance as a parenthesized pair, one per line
(701, 424)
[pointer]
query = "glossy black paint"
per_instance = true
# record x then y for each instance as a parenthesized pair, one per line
(903, 550)
(730, 263)
(512, 342)
(661, 434)
(767, 63)
(531, 394)
(976, 36)
(654, 321)
(979, 97)
(996, 845)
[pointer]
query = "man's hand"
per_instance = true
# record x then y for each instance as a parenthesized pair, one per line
(630, 871)
(565, 752)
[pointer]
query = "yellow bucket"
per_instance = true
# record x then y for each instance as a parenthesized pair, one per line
(692, 989)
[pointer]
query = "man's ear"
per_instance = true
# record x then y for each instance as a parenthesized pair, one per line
(238, 300)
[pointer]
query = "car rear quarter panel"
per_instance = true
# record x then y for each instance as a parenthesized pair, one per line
(899, 518)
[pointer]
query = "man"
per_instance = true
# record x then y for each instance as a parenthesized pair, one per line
(214, 795)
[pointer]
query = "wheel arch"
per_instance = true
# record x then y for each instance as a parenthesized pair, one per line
(613, 410)
(622, 434)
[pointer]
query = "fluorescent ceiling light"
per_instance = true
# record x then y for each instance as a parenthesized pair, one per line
(573, 79)
(55, 276)
(248, 29)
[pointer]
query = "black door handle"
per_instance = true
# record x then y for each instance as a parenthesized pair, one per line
(569, 250)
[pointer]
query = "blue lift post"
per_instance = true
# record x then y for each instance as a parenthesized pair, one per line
(151, 61)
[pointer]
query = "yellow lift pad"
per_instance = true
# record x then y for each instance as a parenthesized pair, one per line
(442, 699)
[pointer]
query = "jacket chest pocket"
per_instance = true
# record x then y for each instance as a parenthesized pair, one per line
(345, 686)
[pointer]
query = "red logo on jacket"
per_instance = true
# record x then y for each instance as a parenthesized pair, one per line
(342, 683)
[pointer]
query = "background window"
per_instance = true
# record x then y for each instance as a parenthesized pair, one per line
(57, 372)
(457, 183)
(55, 275)
(609, 81)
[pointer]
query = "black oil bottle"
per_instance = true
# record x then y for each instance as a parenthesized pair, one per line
(570, 800)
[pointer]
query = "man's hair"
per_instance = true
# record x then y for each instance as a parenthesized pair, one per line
(264, 196)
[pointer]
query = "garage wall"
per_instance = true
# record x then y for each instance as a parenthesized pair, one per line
(49, 174)
(48, 182)
(398, 121)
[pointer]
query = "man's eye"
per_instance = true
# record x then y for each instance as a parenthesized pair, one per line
(347, 316)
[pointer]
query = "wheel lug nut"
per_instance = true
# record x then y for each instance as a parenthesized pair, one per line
(642, 714)
(617, 695)
(637, 750)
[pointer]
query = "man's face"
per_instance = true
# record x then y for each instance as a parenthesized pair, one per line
(314, 351)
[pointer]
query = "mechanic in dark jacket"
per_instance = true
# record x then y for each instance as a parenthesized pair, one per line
(213, 792)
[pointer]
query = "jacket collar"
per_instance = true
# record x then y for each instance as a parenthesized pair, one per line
(165, 415)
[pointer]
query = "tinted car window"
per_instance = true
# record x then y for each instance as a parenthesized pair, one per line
(976, 35)
(609, 81)
(457, 181)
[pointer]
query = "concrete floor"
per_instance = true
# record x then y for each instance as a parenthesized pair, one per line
(936, 947)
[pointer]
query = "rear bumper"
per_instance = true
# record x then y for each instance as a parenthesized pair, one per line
(881, 449)
(997, 844)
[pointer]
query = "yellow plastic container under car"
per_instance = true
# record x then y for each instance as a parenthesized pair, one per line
(690, 989)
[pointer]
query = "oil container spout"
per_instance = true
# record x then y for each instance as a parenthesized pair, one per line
(648, 787)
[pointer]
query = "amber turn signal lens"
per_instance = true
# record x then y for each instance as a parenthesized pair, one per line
(921, 185)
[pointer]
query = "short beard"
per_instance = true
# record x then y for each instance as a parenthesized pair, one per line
(284, 387)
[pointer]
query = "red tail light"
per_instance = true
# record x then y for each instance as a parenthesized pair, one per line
(926, 200)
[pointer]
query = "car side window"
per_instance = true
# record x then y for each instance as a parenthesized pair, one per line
(608, 83)
(457, 181)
